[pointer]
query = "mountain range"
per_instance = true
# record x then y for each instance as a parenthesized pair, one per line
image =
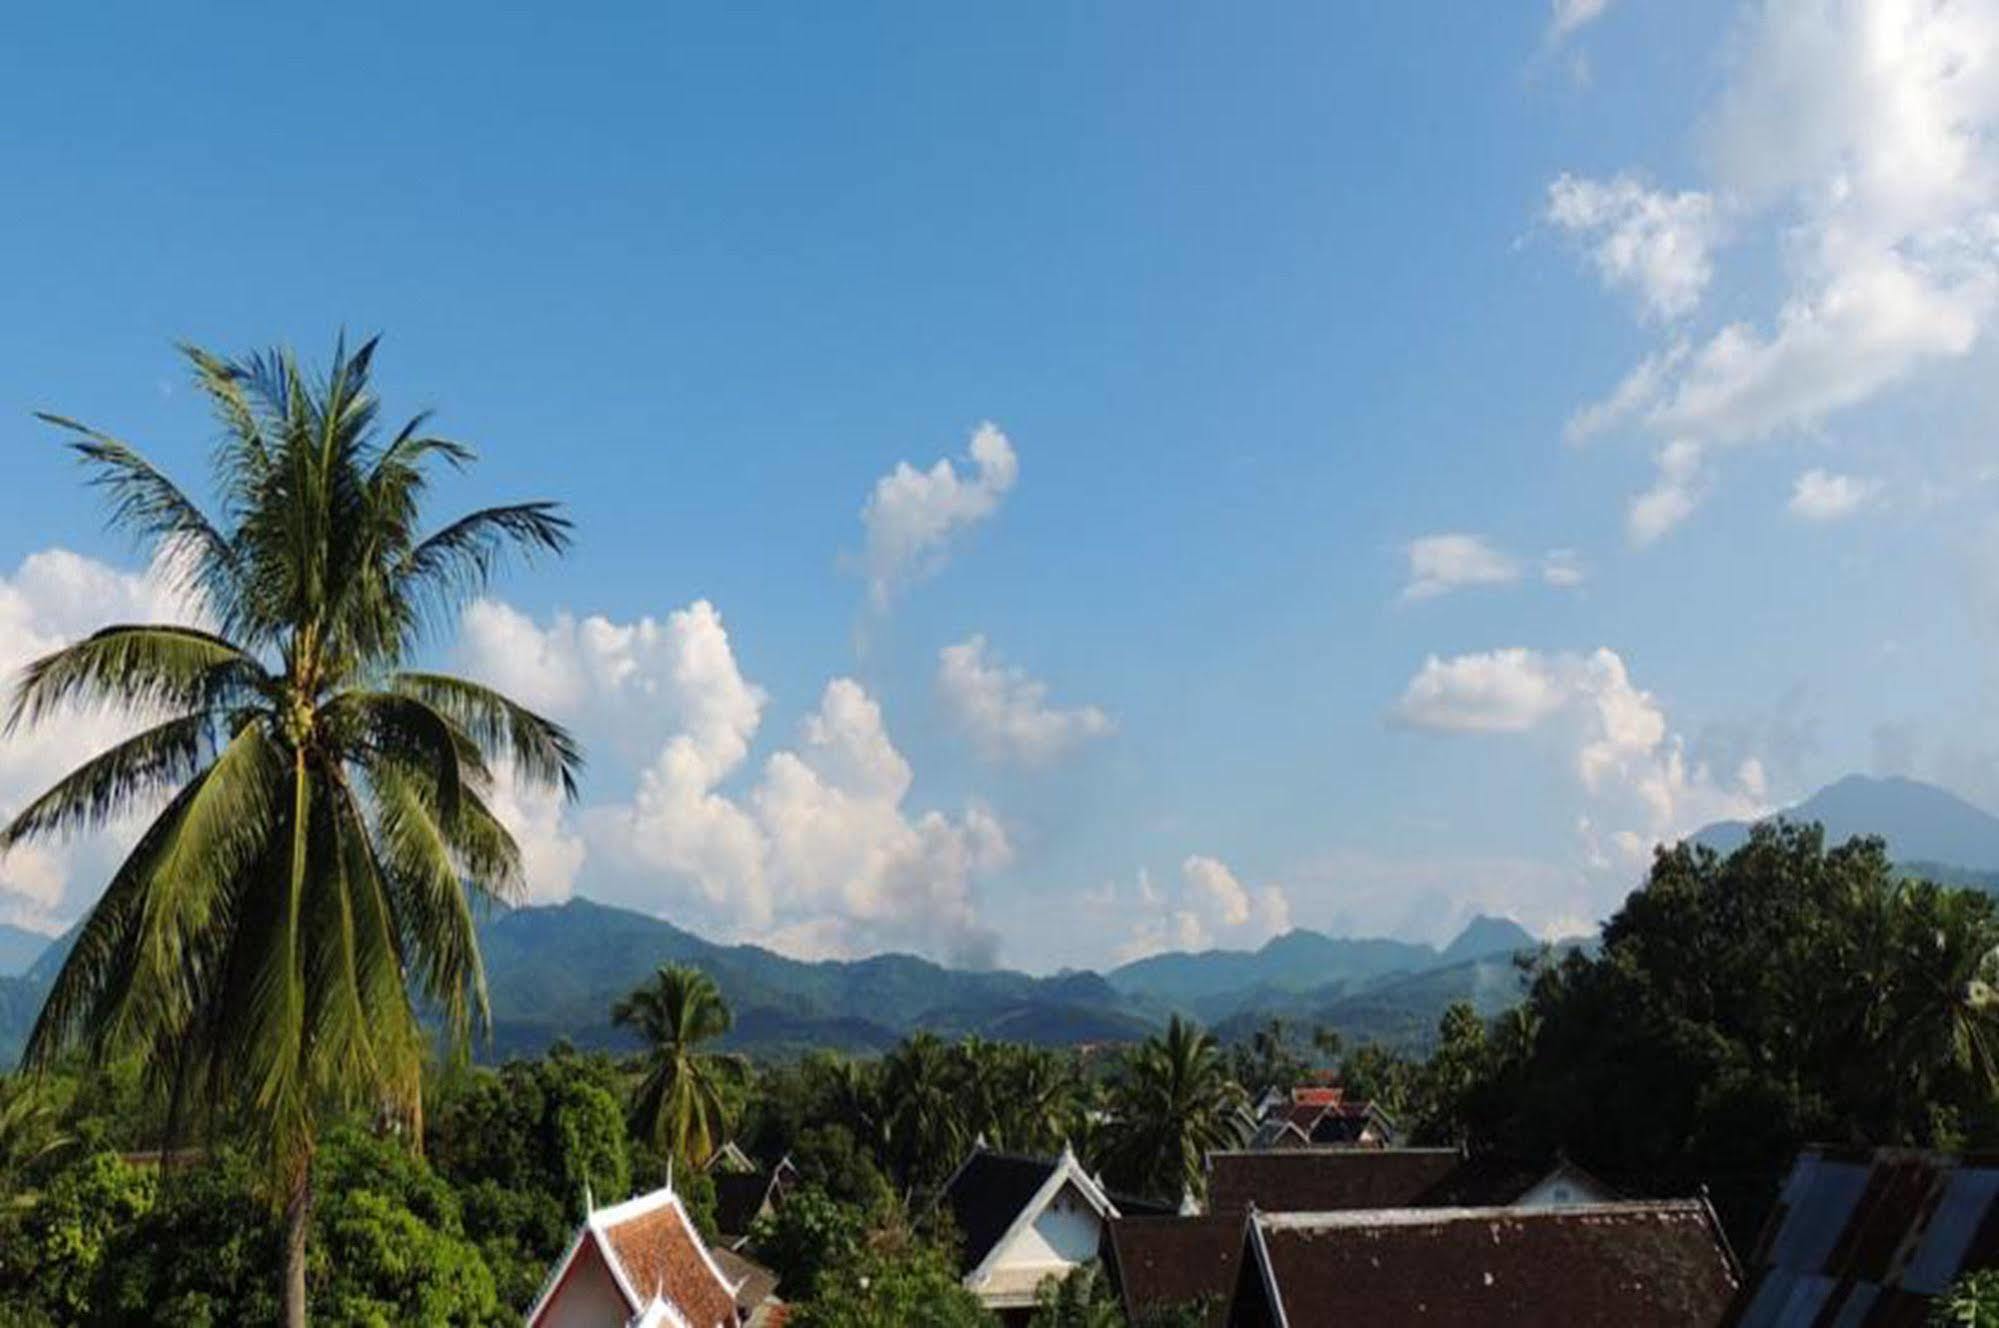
(554, 971)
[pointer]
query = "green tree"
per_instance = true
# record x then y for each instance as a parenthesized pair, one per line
(325, 828)
(1173, 1103)
(1083, 1299)
(51, 1253)
(1971, 1302)
(807, 1237)
(925, 1117)
(897, 1282)
(681, 1108)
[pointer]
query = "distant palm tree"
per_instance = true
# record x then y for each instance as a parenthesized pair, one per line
(926, 1114)
(1173, 1104)
(681, 1105)
(325, 828)
(29, 1137)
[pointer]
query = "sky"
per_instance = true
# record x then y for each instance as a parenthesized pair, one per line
(1059, 482)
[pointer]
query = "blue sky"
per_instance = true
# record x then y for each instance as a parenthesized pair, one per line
(1287, 319)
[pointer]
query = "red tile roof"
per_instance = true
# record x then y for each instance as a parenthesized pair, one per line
(1160, 1262)
(660, 1254)
(1300, 1180)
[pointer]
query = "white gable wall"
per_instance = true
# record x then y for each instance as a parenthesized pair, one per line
(1564, 1187)
(586, 1297)
(1067, 1233)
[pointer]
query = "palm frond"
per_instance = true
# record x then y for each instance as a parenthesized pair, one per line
(136, 668)
(115, 780)
(538, 749)
(458, 560)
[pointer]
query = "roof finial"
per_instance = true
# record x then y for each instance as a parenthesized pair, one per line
(669, 1173)
(589, 1201)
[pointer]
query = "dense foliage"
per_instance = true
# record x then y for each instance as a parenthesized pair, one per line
(1737, 1008)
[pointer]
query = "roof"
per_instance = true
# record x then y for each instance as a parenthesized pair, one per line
(1634, 1265)
(986, 1194)
(729, 1158)
(1163, 1261)
(739, 1198)
(1870, 1237)
(754, 1283)
(1293, 1180)
(654, 1255)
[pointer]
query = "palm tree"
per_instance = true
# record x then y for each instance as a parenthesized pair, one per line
(680, 1105)
(325, 831)
(926, 1113)
(1174, 1104)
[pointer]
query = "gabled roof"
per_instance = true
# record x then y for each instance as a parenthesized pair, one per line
(1870, 1237)
(1295, 1180)
(1165, 1261)
(740, 1196)
(1635, 1265)
(993, 1194)
(657, 1261)
(729, 1158)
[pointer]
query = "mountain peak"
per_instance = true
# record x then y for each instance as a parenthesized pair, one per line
(1484, 936)
(1921, 822)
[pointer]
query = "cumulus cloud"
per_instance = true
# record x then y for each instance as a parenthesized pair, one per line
(1821, 495)
(51, 599)
(1864, 139)
(913, 515)
(1210, 907)
(1654, 244)
(818, 854)
(1006, 712)
(1635, 772)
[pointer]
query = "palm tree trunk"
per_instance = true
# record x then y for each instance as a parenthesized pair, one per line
(298, 1218)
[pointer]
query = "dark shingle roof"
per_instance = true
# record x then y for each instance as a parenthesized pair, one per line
(739, 1197)
(1298, 1180)
(1630, 1265)
(987, 1194)
(1166, 1261)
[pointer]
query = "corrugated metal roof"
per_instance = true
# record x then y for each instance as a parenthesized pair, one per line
(1862, 1240)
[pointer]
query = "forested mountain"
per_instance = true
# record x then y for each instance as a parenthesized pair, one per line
(19, 948)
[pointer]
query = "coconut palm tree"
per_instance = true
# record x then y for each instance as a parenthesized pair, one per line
(325, 831)
(1173, 1104)
(920, 1088)
(681, 1106)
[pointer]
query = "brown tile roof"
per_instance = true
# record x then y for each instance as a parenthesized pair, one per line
(1870, 1237)
(660, 1253)
(1295, 1180)
(1630, 1265)
(1166, 1261)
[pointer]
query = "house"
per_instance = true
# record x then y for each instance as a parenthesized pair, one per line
(1632, 1265)
(1319, 1117)
(1164, 1263)
(1022, 1219)
(1863, 1238)
(1337, 1180)
(729, 1159)
(741, 1197)
(638, 1264)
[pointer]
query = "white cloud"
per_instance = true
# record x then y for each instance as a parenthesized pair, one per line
(1820, 495)
(1006, 712)
(1211, 907)
(1498, 691)
(53, 598)
(1862, 141)
(913, 515)
(1439, 564)
(819, 854)
(1631, 767)
(1675, 492)
(1566, 16)
(1657, 245)
(1563, 569)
